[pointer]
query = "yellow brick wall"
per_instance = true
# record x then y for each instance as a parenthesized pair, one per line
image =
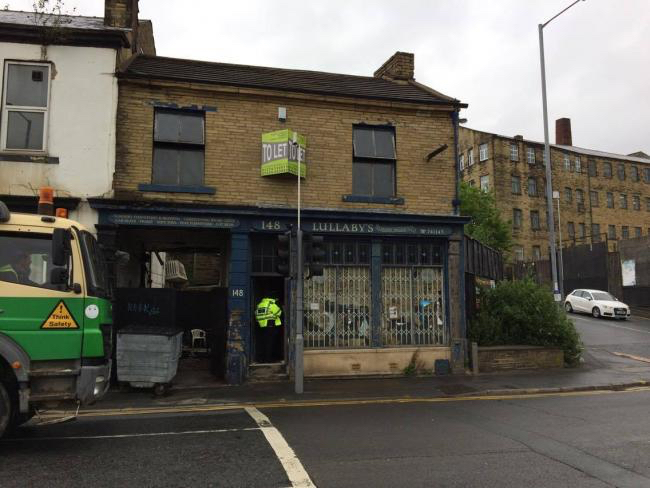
(233, 147)
(500, 169)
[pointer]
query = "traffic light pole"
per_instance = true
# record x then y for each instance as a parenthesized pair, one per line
(299, 353)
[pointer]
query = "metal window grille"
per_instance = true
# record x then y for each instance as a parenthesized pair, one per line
(413, 306)
(337, 308)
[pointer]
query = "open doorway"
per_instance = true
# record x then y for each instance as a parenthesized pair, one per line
(269, 342)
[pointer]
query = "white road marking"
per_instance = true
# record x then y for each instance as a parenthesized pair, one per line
(290, 462)
(126, 436)
(632, 356)
(613, 325)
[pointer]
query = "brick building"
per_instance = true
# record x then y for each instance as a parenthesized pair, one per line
(603, 196)
(380, 185)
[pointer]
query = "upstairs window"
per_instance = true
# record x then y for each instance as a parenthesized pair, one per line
(578, 165)
(593, 168)
(580, 197)
(611, 232)
(482, 152)
(25, 103)
(373, 168)
(178, 148)
(537, 253)
(636, 202)
(470, 157)
(567, 163)
(485, 183)
(534, 220)
(581, 230)
(621, 172)
(514, 152)
(647, 204)
(595, 232)
(637, 232)
(634, 173)
(625, 232)
(532, 187)
(607, 170)
(593, 195)
(623, 200)
(571, 230)
(516, 218)
(530, 155)
(568, 195)
(516, 185)
(610, 199)
(646, 175)
(461, 162)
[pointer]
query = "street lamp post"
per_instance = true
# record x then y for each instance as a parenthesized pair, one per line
(547, 159)
(299, 350)
(556, 195)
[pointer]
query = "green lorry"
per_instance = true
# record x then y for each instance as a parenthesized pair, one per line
(55, 316)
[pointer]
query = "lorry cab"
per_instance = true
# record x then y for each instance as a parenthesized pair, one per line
(55, 316)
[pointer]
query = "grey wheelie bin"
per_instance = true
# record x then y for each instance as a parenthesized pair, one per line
(147, 356)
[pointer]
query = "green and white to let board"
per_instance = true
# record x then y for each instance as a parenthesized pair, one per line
(280, 154)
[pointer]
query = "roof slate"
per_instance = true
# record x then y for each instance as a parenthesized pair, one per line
(316, 82)
(67, 21)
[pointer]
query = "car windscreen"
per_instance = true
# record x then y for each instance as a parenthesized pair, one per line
(602, 295)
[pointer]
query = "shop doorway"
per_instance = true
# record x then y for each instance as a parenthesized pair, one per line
(269, 342)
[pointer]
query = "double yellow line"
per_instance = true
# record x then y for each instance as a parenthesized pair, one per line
(175, 409)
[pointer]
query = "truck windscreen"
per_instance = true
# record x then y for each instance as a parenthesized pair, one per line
(96, 278)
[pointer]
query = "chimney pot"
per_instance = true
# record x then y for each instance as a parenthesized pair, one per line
(399, 67)
(563, 132)
(120, 13)
(519, 137)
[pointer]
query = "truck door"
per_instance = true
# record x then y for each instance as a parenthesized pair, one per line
(46, 320)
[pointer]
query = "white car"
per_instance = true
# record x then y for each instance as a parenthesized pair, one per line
(596, 302)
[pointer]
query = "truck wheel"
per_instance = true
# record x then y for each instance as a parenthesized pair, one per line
(6, 409)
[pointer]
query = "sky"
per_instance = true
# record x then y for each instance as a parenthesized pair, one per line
(483, 52)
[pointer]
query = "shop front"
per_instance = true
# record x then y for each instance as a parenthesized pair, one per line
(390, 294)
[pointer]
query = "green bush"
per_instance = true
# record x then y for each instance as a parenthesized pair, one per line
(524, 313)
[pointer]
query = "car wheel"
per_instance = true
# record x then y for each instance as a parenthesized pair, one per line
(568, 307)
(595, 312)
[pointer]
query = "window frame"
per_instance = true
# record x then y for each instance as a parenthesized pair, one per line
(623, 201)
(484, 179)
(530, 151)
(578, 164)
(634, 173)
(636, 202)
(567, 163)
(461, 161)
(178, 146)
(514, 151)
(483, 152)
(620, 171)
(610, 199)
(534, 180)
(470, 157)
(568, 195)
(4, 112)
(376, 160)
(535, 223)
(517, 216)
(593, 198)
(607, 169)
(515, 184)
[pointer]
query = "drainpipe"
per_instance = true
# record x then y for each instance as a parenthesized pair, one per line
(456, 201)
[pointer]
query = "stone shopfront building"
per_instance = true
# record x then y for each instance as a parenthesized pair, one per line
(206, 166)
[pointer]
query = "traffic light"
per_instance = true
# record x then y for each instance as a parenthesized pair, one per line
(284, 254)
(315, 254)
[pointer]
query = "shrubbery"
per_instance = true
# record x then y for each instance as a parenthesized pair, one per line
(524, 313)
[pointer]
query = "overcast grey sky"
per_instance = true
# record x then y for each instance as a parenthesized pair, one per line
(484, 52)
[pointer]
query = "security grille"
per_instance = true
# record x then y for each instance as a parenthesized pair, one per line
(413, 306)
(337, 308)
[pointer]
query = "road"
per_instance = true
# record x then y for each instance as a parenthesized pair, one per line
(614, 343)
(577, 440)
(582, 439)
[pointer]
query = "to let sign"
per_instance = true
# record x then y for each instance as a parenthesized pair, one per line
(280, 155)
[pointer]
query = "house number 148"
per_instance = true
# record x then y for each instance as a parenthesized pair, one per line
(271, 225)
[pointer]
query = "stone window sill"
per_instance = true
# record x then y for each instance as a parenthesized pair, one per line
(28, 157)
(373, 199)
(206, 190)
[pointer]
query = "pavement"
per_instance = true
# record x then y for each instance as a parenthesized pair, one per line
(616, 357)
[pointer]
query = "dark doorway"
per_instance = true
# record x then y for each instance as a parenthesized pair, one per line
(268, 342)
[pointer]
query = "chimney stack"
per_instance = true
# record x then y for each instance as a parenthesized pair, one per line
(399, 67)
(121, 13)
(563, 132)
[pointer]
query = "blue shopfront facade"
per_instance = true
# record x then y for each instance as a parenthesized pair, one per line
(393, 282)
